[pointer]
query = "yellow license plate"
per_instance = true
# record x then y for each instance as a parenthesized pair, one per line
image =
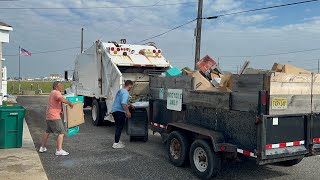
(279, 103)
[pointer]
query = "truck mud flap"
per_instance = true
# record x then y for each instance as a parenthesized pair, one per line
(315, 133)
(282, 137)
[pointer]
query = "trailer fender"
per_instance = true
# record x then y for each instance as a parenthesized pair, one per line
(216, 138)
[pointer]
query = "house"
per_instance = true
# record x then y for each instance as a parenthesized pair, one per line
(4, 38)
(54, 76)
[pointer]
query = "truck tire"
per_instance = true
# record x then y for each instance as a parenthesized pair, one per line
(204, 161)
(291, 162)
(177, 148)
(96, 113)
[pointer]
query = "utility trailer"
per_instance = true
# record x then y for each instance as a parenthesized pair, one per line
(272, 117)
(101, 71)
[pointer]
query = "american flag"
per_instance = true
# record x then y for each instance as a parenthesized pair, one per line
(24, 52)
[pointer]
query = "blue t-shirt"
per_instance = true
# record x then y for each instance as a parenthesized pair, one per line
(122, 97)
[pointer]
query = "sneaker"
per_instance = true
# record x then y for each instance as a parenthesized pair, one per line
(42, 149)
(120, 142)
(61, 153)
(117, 146)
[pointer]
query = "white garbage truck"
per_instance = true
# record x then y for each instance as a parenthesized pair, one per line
(101, 71)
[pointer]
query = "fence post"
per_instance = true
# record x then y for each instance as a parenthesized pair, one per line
(20, 91)
(12, 88)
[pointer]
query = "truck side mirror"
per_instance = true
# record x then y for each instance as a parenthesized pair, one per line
(66, 75)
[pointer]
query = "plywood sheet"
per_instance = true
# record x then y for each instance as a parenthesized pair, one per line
(75, 115)
(290, 84)
(296, 104)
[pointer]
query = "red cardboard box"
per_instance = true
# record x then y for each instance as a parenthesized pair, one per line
(207, 65)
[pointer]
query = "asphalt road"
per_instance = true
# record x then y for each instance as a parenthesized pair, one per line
(91, 156)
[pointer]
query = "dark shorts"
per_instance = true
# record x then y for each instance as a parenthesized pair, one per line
(55, 126)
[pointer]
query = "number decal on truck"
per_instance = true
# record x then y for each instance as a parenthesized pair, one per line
(279, 103)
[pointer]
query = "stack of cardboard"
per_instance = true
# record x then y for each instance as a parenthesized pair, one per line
(289, 69)
(210, 77)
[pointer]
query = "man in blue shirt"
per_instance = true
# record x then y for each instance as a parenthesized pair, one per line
(120, 111)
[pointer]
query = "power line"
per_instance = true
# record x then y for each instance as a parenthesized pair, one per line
(177, 27)
(259, 9)
(45, 52)
(102, 7)
(274, 54)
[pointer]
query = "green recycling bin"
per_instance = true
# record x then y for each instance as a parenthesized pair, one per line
(11, 126)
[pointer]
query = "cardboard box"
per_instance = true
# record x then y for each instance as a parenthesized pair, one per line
(208, 65)
(277, 67)
(227, 82)
(73, 116)
(187, 72)
(290, 69)
(201, 83)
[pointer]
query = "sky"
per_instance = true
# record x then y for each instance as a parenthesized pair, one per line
(284, 35)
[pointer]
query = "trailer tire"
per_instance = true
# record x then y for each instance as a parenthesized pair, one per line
(291, 162)
(177, 148)
(204, 161)
(95, 113)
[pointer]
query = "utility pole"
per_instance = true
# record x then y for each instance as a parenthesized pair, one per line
(318, 65)
(81, 40)
(198, 33)
(19, 63)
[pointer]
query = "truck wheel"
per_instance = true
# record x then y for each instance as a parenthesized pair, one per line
(177, 148)
(204, 161)
(290, 162)
(95, 113)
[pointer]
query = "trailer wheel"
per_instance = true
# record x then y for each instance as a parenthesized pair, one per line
(204, 161)
(291, 162)
(177, 148)
(95, 113)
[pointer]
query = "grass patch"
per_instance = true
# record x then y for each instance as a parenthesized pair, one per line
(44, 86)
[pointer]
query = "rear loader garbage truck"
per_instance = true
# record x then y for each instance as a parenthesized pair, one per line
(101, 71)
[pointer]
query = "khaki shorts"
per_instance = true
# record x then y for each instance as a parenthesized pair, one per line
(55, 126)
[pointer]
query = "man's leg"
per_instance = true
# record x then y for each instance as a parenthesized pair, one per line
(59, 141)
(117, 120)
(121, 124)
(44, 140)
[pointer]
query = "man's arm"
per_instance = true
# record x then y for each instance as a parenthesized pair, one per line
(124, 104)
(126, 108)
(63, 100)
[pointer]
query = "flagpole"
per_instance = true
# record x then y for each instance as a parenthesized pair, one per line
(19, 63)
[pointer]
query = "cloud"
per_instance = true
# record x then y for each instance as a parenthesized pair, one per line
(41, 30)
(256, 18)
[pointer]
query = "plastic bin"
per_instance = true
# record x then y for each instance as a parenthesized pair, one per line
(11, 126)
(174, 72)
(137, 126)
(74, 99)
